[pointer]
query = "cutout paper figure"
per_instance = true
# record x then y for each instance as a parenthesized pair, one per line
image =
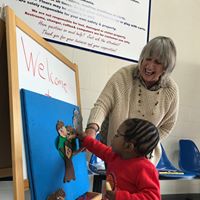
(66, 145)
(57, 195)
(77, 121)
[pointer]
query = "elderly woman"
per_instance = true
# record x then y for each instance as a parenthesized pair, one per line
(144, 90)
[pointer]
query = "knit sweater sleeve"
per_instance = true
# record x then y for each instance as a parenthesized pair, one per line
(170, 118)
(108, 97)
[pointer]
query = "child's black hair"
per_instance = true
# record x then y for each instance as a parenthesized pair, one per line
(143, 134)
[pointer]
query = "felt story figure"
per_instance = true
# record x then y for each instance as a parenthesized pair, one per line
(57, 195)
(66, 144)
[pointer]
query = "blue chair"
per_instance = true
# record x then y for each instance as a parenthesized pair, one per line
(96, 165)
(168, 171)
(189, 156)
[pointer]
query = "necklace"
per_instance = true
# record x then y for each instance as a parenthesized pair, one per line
(142, 99)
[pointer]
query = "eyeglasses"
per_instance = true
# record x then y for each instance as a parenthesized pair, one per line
(119, 134)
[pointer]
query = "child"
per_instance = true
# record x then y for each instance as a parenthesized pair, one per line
(129, 172)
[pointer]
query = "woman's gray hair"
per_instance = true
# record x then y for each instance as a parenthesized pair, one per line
(163, 49)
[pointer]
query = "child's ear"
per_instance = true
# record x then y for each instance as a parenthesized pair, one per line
(129, 146)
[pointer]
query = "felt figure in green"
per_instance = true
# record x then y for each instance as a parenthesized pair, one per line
(66, 145)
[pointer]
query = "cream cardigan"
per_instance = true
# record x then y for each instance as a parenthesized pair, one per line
(124, 97)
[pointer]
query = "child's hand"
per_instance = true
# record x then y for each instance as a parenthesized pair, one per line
(81, 135)
(70, 137)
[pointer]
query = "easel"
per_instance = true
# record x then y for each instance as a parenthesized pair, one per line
(11, 122)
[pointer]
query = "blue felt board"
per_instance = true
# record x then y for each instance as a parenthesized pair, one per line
(45, 166)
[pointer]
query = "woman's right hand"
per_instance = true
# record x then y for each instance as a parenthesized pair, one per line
(91, 132)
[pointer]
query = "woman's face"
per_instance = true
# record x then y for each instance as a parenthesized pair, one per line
(150, 70)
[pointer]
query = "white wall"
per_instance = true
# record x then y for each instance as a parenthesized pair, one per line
(180, 20)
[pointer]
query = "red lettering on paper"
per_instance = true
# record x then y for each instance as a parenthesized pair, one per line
(41, 69)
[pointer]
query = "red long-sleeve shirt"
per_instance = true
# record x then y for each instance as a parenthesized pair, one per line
(132, 179)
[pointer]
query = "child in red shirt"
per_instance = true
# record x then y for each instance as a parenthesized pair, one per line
(131, 175)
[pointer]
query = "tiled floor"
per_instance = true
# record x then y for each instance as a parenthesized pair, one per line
(181, 197)
(6, 191)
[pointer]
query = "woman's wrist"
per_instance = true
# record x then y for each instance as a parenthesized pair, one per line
(93, 126)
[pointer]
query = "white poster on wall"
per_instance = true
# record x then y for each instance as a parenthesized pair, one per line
(117, 28)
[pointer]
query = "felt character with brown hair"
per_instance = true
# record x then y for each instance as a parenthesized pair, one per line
(65, 145)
